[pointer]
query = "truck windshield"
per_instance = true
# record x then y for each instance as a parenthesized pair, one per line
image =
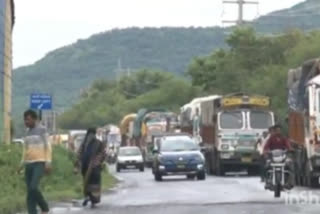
(231, 120)
(260, 120)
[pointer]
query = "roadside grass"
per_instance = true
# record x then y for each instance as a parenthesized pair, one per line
(61, 185)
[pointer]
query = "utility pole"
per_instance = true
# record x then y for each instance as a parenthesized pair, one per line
(241, 4)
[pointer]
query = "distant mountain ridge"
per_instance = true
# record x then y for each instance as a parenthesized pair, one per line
(66, 71)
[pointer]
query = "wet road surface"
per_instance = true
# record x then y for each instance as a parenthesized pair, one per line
(138, 193)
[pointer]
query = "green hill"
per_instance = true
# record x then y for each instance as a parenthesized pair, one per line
(65, 72)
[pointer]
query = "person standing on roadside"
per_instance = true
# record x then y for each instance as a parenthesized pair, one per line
(36, 160)
(91, 157)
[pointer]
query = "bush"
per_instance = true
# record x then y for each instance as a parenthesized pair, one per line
(62, 184)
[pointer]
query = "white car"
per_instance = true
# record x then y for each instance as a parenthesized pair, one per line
(129, 157)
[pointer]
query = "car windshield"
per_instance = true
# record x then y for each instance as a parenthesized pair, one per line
(178, 144)
(129, 152)
(260, 120)
(231, 120)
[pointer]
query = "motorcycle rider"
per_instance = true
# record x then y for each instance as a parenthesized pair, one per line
(279, 142)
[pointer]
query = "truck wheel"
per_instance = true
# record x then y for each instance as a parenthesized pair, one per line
(253, 171)
(157, 176)
(220, 169)
(209, 163)
(314, 182)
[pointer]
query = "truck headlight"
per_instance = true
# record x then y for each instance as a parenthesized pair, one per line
(225, 146)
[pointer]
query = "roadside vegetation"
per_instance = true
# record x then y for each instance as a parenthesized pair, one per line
(108, 101)
(61, 185)
(251, 63)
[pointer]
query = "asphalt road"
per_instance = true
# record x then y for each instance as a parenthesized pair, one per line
(138, 193)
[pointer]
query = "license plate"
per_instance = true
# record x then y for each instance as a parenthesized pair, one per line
(181, 166)
(246, 160)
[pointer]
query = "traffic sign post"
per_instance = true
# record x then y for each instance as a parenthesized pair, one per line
(40, 102)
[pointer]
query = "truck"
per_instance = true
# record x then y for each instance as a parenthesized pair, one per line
(126, 129)
(149, 122)
(75, 138)
(188, 111)
(230, 128)
(304, 121)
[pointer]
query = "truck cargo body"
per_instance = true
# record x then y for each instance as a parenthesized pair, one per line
(304, 121)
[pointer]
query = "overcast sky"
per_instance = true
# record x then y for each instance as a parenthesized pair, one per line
(44, 25)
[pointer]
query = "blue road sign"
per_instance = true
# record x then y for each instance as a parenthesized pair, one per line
(40, 101)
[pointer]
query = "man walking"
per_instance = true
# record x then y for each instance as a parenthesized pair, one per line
(37, 160)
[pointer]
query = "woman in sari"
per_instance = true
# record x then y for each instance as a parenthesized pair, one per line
(91, 156)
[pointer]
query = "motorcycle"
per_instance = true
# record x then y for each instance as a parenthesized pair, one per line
(277, 172)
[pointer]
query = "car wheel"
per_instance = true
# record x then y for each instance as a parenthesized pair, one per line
(191, 177)
(201, 176)
(157, 176)
(141, 168)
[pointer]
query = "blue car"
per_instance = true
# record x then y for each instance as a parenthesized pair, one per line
(178, 155)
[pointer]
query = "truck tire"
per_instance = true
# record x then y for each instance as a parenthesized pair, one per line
(314, 182)
(220, 168)
(209, 166)
(253, 171)
(309, 180)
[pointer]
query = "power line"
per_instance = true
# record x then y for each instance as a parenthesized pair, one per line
(241, 4)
